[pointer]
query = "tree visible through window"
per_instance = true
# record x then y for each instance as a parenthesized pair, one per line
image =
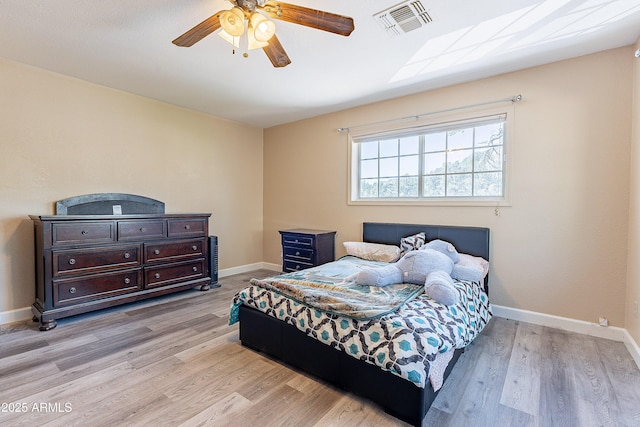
(464, 160)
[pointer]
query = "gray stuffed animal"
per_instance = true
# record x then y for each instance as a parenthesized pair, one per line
(432, 265)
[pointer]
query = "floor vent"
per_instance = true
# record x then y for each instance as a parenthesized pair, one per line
(403, 17)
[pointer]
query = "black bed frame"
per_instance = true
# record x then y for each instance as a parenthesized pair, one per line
(397, 396)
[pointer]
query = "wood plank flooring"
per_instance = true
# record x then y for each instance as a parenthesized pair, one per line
(174, 361)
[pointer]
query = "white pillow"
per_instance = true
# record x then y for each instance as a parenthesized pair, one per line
(474, 261)
(373, 251)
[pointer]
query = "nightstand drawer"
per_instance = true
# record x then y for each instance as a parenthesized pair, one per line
(297, 254)
(87, 288)
(138, 230)
(163, 252)
(82, 232)
(94, 259)
(292, 265)
(297, 240)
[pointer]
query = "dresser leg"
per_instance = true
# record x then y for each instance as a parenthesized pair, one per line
(205, 287)
(48, 325)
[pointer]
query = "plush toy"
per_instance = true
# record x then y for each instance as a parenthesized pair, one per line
(432, 265)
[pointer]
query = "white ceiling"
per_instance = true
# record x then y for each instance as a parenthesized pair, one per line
(127, 45)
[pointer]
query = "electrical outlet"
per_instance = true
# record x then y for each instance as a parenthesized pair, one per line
(603, 321)
(635, 309)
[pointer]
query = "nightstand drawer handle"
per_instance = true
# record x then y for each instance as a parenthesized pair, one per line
(127, 281)
(157, 275)
(72, 261)
(187, 227)
(127, 255)
(194, 248)
(72, 290)
(157, 252)
(195, 269)
(298, 253)
(297, 267)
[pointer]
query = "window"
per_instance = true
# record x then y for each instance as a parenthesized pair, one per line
(460, 161)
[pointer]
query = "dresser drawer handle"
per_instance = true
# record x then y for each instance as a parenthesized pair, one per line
(127, 255)
(72, 290)
(157, 252)
(187, 227)
(194, 248)
(72, 261)
(142, 229)
(157, 275)
(127, 281)
(84, 232)
(195, 269)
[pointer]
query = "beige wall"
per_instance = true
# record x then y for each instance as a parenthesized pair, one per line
(561, 248)
(633, 259)
(61, 137)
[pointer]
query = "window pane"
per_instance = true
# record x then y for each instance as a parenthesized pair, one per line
(369, 168)
(459, 185)
(409, 186)
(460, 138)
(389, 187)
(433, 186)
(489, 134)
(488, 159)
(368, 188)
(389, 167)
(459, 161)
(389, 147)
(488, 184)
(435, 142)
(409, 165)
(409, 145)
(434, 163)
(369, 150)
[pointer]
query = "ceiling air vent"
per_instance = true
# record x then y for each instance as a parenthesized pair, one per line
(403, 17)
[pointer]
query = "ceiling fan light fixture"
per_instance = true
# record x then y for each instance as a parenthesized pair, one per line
(234, 40)
(253, 43)
(232, 22)
(262, 28)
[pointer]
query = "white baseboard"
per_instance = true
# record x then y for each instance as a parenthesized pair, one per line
(571, 325)
(17, 315)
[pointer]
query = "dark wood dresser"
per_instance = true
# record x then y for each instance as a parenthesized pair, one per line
(303, 248)
(89, 262)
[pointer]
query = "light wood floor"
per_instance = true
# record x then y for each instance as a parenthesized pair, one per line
(174, 361)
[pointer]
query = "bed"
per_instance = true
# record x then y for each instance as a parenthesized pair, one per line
(387, 376)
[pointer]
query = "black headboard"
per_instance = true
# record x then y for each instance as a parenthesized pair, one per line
(468, 240)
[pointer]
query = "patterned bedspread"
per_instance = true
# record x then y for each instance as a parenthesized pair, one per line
(404, 341)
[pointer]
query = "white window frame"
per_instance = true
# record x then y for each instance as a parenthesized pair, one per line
(430, 124)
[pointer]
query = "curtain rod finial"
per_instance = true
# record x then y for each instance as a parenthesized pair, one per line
(516, 98)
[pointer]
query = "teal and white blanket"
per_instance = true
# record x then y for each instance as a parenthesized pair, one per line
(398, 328)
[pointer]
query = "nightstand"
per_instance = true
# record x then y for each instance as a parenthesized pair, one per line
(303, 248)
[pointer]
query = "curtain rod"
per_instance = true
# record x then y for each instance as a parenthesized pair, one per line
(512, 99)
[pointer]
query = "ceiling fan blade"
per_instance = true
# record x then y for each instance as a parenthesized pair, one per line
(276, 53)
(325, 21)
(200, 31)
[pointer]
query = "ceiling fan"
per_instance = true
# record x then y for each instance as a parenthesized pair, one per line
(245, 18)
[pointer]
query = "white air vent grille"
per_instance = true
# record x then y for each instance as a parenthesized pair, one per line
(403, 17)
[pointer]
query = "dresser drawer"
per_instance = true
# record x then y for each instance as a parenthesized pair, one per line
(172, 251)
(297, 254)
(174, 273)
(187, 227)
(138, 230)
(82, 232)
(74, 291)
(66, 262)
(293, 265)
